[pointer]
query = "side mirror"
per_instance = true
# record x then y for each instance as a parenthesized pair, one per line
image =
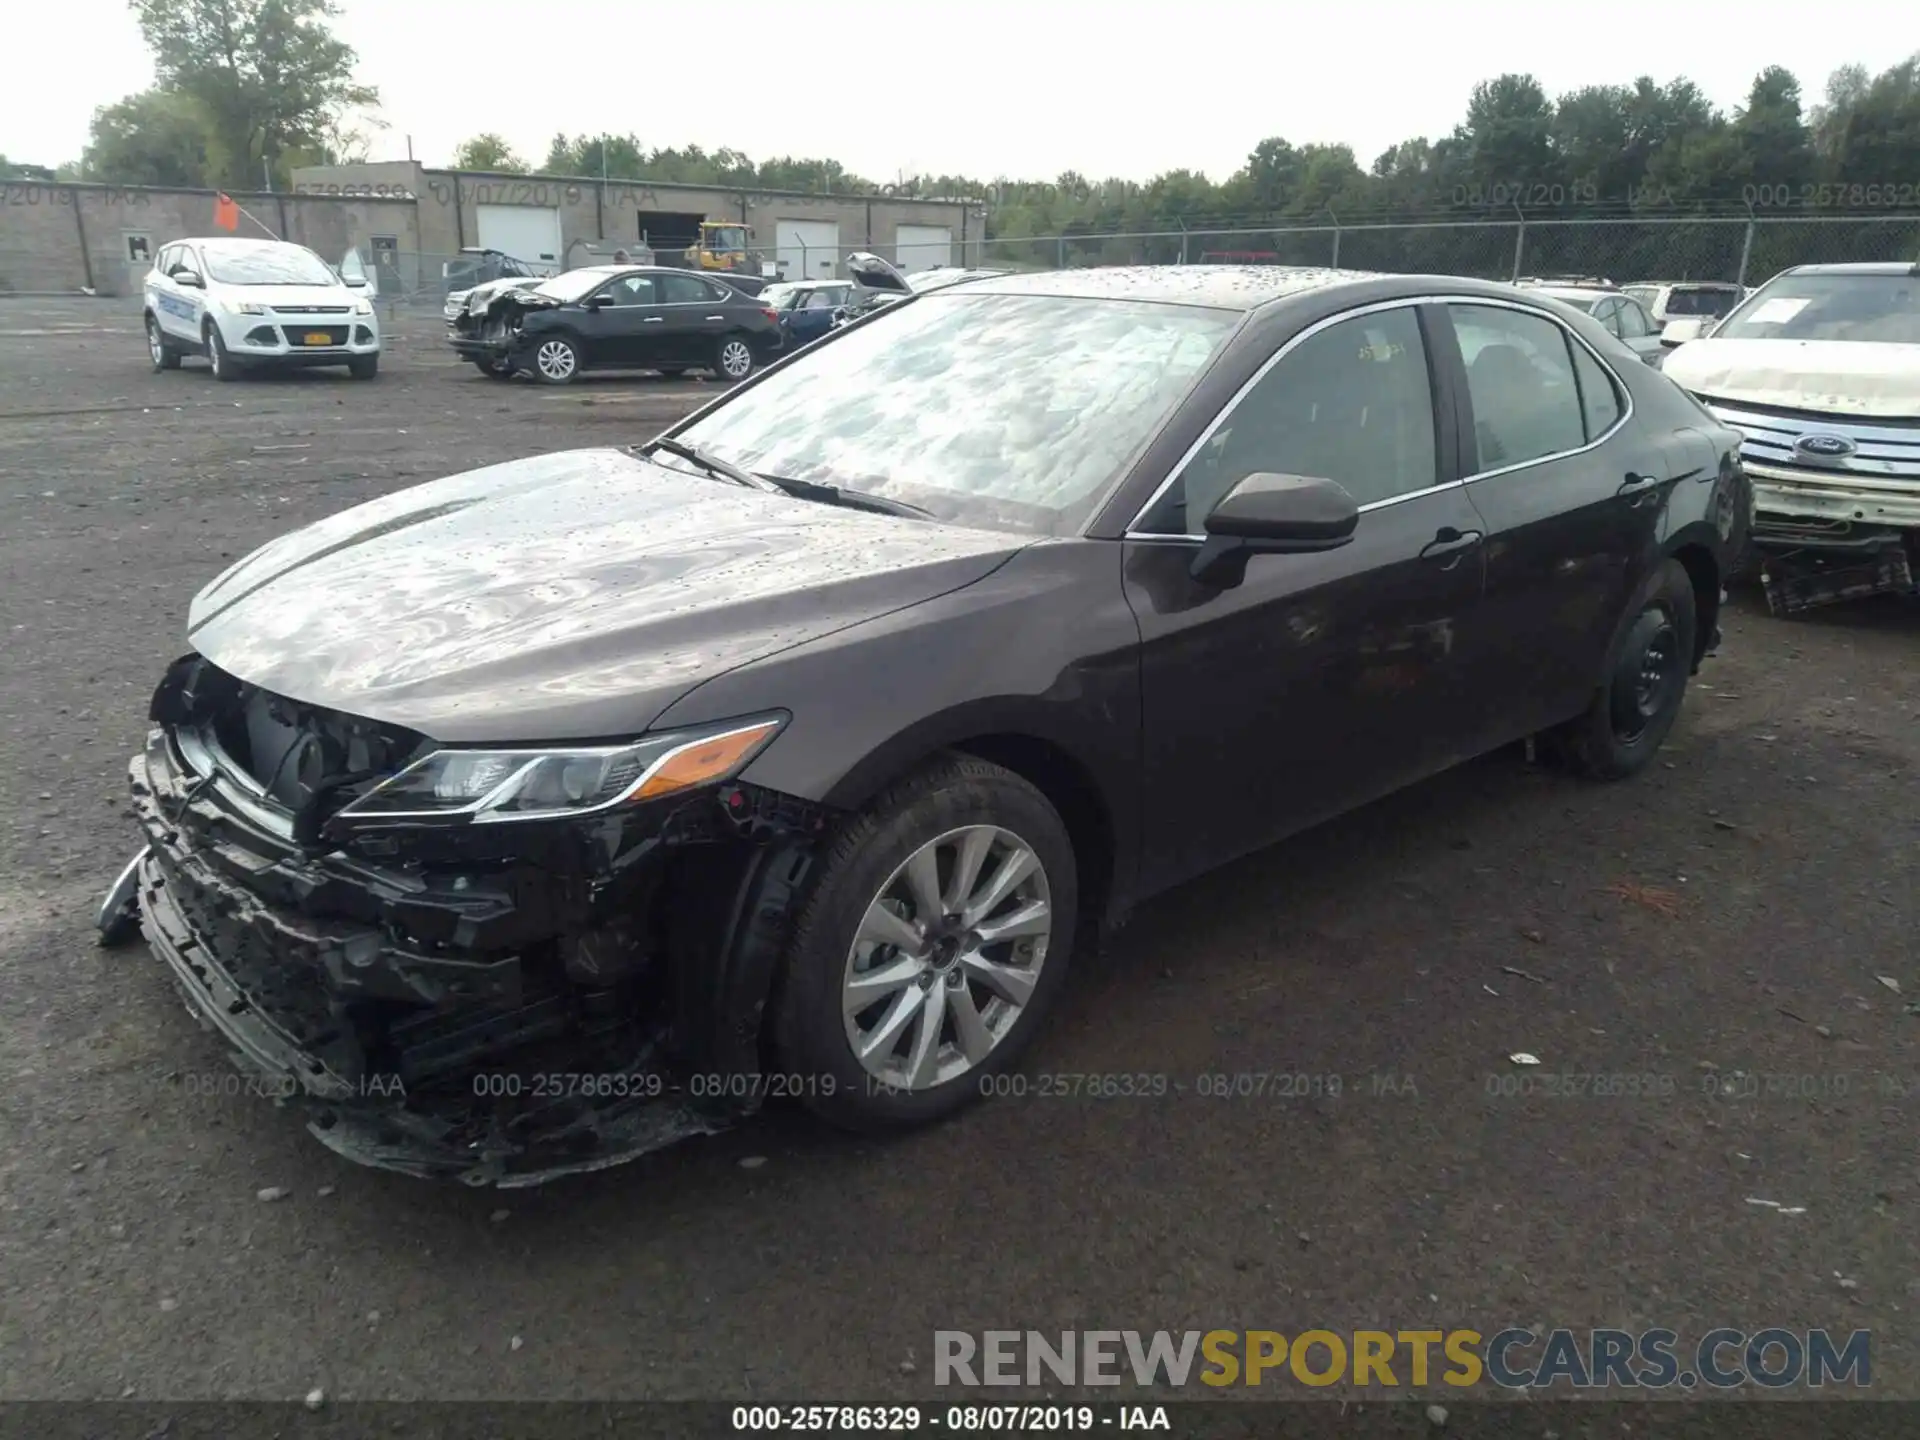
(598, 302)
(1678, 332)
(357, 282)
(1269, 514)
(183, 276)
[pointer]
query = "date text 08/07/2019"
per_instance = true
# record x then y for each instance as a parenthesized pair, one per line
(958, 1419)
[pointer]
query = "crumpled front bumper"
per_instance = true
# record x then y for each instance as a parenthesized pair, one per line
(280, 986)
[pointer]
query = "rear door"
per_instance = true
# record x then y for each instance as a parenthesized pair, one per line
(695, 314)
(813, 316)
(1572, 494)
(176, 306)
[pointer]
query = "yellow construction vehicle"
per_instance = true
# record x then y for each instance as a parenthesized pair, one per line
(722, 247)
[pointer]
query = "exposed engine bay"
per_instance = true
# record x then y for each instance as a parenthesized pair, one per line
(502, 1004)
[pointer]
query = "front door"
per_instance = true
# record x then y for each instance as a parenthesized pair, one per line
(1320, 681)
(625, 329)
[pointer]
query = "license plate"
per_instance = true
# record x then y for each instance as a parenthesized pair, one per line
(317, 337)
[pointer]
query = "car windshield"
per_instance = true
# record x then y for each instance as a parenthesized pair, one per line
(572, 285)
(267, 265)
(1876, 308)
(728, 238)
(1014, 411)
(1696, 301)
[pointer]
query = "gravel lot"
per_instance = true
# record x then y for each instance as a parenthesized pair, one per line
(1423, 939)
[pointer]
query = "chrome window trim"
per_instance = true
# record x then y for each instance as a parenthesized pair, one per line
(1133, 532)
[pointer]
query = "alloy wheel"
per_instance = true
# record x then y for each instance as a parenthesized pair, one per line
(735, 359)
(155, 347)
(946, 957)
(555, 360)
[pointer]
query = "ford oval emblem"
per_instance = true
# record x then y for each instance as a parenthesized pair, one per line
(1824, 447)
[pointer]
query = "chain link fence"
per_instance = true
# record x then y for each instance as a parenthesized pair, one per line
(1741, 249)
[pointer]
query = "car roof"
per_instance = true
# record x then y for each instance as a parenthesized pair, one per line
(1580, 290)
(1858, 267)
(1223, 287)
(239, 242)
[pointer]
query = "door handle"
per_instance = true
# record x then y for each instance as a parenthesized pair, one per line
(653, 320)
(1639, 490)
(1450, 546)
(716, 317)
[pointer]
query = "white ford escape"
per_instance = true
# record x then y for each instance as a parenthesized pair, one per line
(248, 304)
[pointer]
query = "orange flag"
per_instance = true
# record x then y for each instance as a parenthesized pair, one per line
(226, 214)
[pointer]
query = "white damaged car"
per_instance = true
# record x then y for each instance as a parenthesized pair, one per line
(1820, 370)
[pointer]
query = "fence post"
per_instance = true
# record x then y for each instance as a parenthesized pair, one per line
(1336, 236)
(1519, 242)
(1746, 250)
(1183, 242)
(1059, 252)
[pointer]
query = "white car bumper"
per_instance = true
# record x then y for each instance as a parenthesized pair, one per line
(300, 337)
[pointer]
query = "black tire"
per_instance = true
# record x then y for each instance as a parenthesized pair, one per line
(733, 358)
(501, 369)
(364, 367)
(546, 365)
(810, 1032)
(1631, 714)
(160, 350)
(217, 356)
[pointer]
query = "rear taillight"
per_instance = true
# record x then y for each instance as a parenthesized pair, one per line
(773, 315)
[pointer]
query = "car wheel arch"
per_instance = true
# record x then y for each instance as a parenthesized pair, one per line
(1696, 557)
(1070, 786)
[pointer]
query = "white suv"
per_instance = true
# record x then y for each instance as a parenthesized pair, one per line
(257, 303)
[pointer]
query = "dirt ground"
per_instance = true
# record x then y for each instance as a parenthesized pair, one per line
(1721, 926)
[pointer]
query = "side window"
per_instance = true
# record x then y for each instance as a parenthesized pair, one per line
(633, 290)
(821, 300)
(1607, 312)
(163, 262)
(1599, 398)
(1351, 403)
(1633, 321)
(684, 290)
(1520, 379)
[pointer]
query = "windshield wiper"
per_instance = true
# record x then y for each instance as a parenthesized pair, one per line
(851, 499)
(712, 464)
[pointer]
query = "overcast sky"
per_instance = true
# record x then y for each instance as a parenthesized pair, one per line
(978, 87)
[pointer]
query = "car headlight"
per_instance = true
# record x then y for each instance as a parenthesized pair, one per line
(363, 307)
(243, 307)
(479, 786)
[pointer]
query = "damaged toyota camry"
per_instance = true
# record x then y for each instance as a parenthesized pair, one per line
(529, 820)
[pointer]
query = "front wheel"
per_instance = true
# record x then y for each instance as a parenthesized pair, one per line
(218, 360)
(556, 361)
(733, 360)
(1639, 698)
(364, 367)
(931, 946)
(499, 368)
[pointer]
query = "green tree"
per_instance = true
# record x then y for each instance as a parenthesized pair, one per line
(488, 152)
(269, 76)
(1507, 140)
(1774, 142)
(157, 137)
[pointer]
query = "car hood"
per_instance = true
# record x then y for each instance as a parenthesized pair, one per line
(289, 297)
(567, 596)
(1837, 377)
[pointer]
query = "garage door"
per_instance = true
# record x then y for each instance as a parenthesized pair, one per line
(529, 233)
(807, 249)
(921, 247)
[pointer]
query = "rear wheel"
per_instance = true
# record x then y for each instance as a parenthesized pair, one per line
(733, 358)
(930, 948)
(159, 349)
(556, 361)
(218, 360)
(1639, 699)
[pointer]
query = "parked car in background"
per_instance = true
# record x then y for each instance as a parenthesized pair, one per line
(619, 317)
(256, 305)
(876, 283)
(464, 307)
(1624, 317)
(477, 265)
(1819, 369)
(806, 307)
(805, 739)
(1686, 300)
